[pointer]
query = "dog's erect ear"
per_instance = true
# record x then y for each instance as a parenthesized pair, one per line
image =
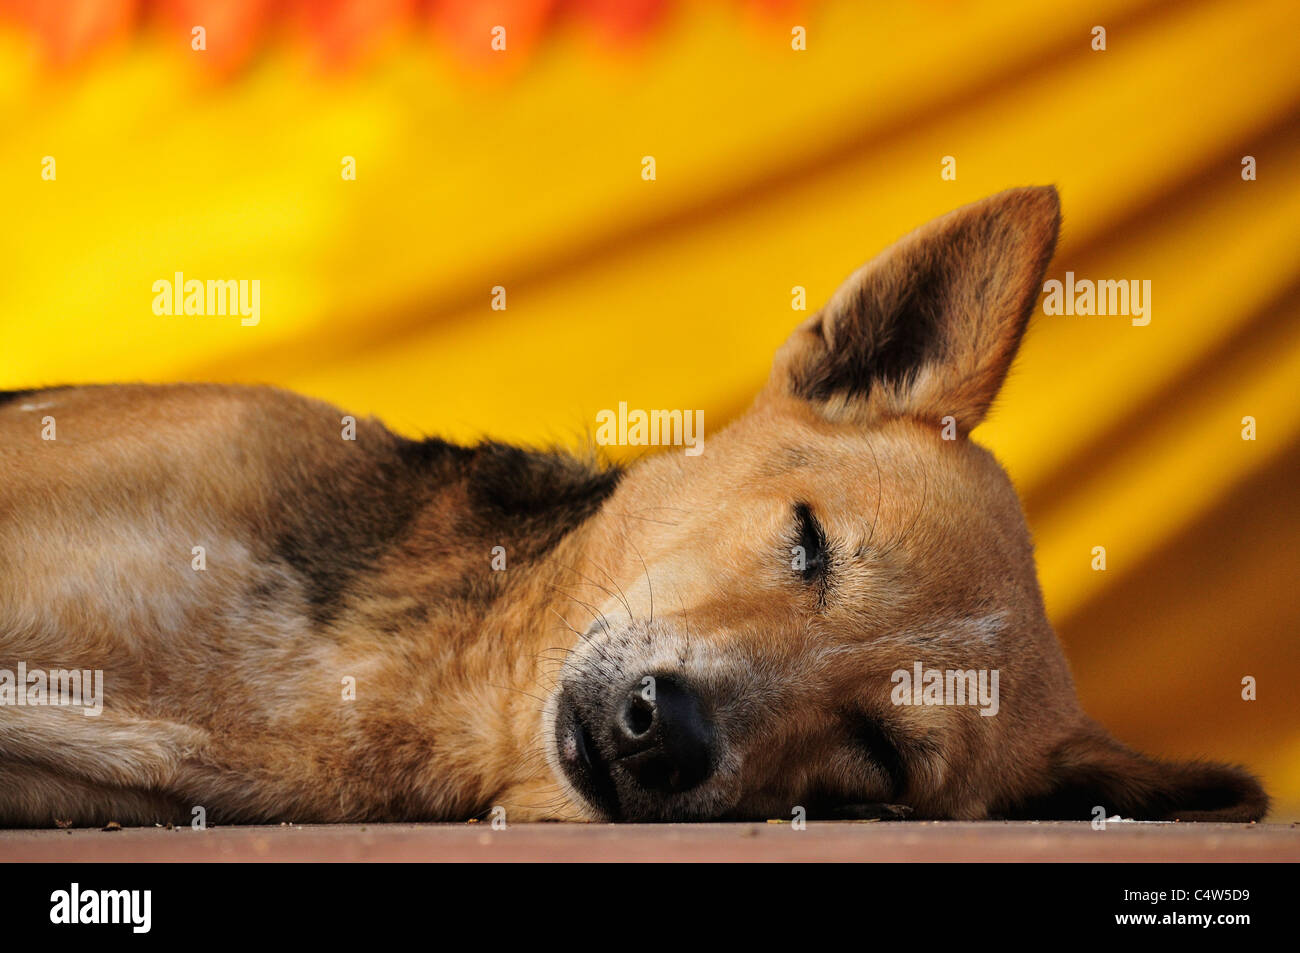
(929, 327)
(1093, 770)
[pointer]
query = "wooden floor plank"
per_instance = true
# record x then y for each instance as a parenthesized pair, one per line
(838, 841)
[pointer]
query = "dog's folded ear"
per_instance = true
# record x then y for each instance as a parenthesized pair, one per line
(929, 327)
(1091, 770)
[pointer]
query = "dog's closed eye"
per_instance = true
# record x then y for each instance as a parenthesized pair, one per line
(879, 746)
(811, 543)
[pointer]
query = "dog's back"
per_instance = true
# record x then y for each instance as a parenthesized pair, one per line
(262, 580)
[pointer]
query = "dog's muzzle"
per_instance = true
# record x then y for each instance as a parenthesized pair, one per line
(627, 749)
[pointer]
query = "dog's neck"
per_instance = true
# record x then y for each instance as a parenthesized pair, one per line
(488, 587)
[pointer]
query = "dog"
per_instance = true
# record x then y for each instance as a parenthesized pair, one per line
(299, 616)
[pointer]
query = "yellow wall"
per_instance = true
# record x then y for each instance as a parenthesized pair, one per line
(775, 168)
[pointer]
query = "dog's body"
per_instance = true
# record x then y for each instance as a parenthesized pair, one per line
(295, 625)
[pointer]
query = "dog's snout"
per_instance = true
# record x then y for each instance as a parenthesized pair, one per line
(663, 736)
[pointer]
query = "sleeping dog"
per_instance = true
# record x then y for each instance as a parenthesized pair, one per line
(294, 615)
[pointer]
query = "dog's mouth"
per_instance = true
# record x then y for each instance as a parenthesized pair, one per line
(581, 760)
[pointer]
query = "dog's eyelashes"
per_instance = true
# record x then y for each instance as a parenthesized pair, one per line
(811, 540)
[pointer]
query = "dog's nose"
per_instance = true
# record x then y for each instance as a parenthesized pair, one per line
(662, 735)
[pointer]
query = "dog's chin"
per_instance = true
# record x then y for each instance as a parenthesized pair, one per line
(579, 762)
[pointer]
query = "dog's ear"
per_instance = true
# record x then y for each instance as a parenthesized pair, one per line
(929, 327)
(1092, 770)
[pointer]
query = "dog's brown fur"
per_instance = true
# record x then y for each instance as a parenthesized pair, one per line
(371, 559)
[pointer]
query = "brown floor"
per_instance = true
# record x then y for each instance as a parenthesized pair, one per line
(851, 841)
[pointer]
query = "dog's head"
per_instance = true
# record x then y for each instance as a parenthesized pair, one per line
(835, 607)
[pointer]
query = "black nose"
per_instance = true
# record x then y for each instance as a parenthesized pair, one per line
(662, 735)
